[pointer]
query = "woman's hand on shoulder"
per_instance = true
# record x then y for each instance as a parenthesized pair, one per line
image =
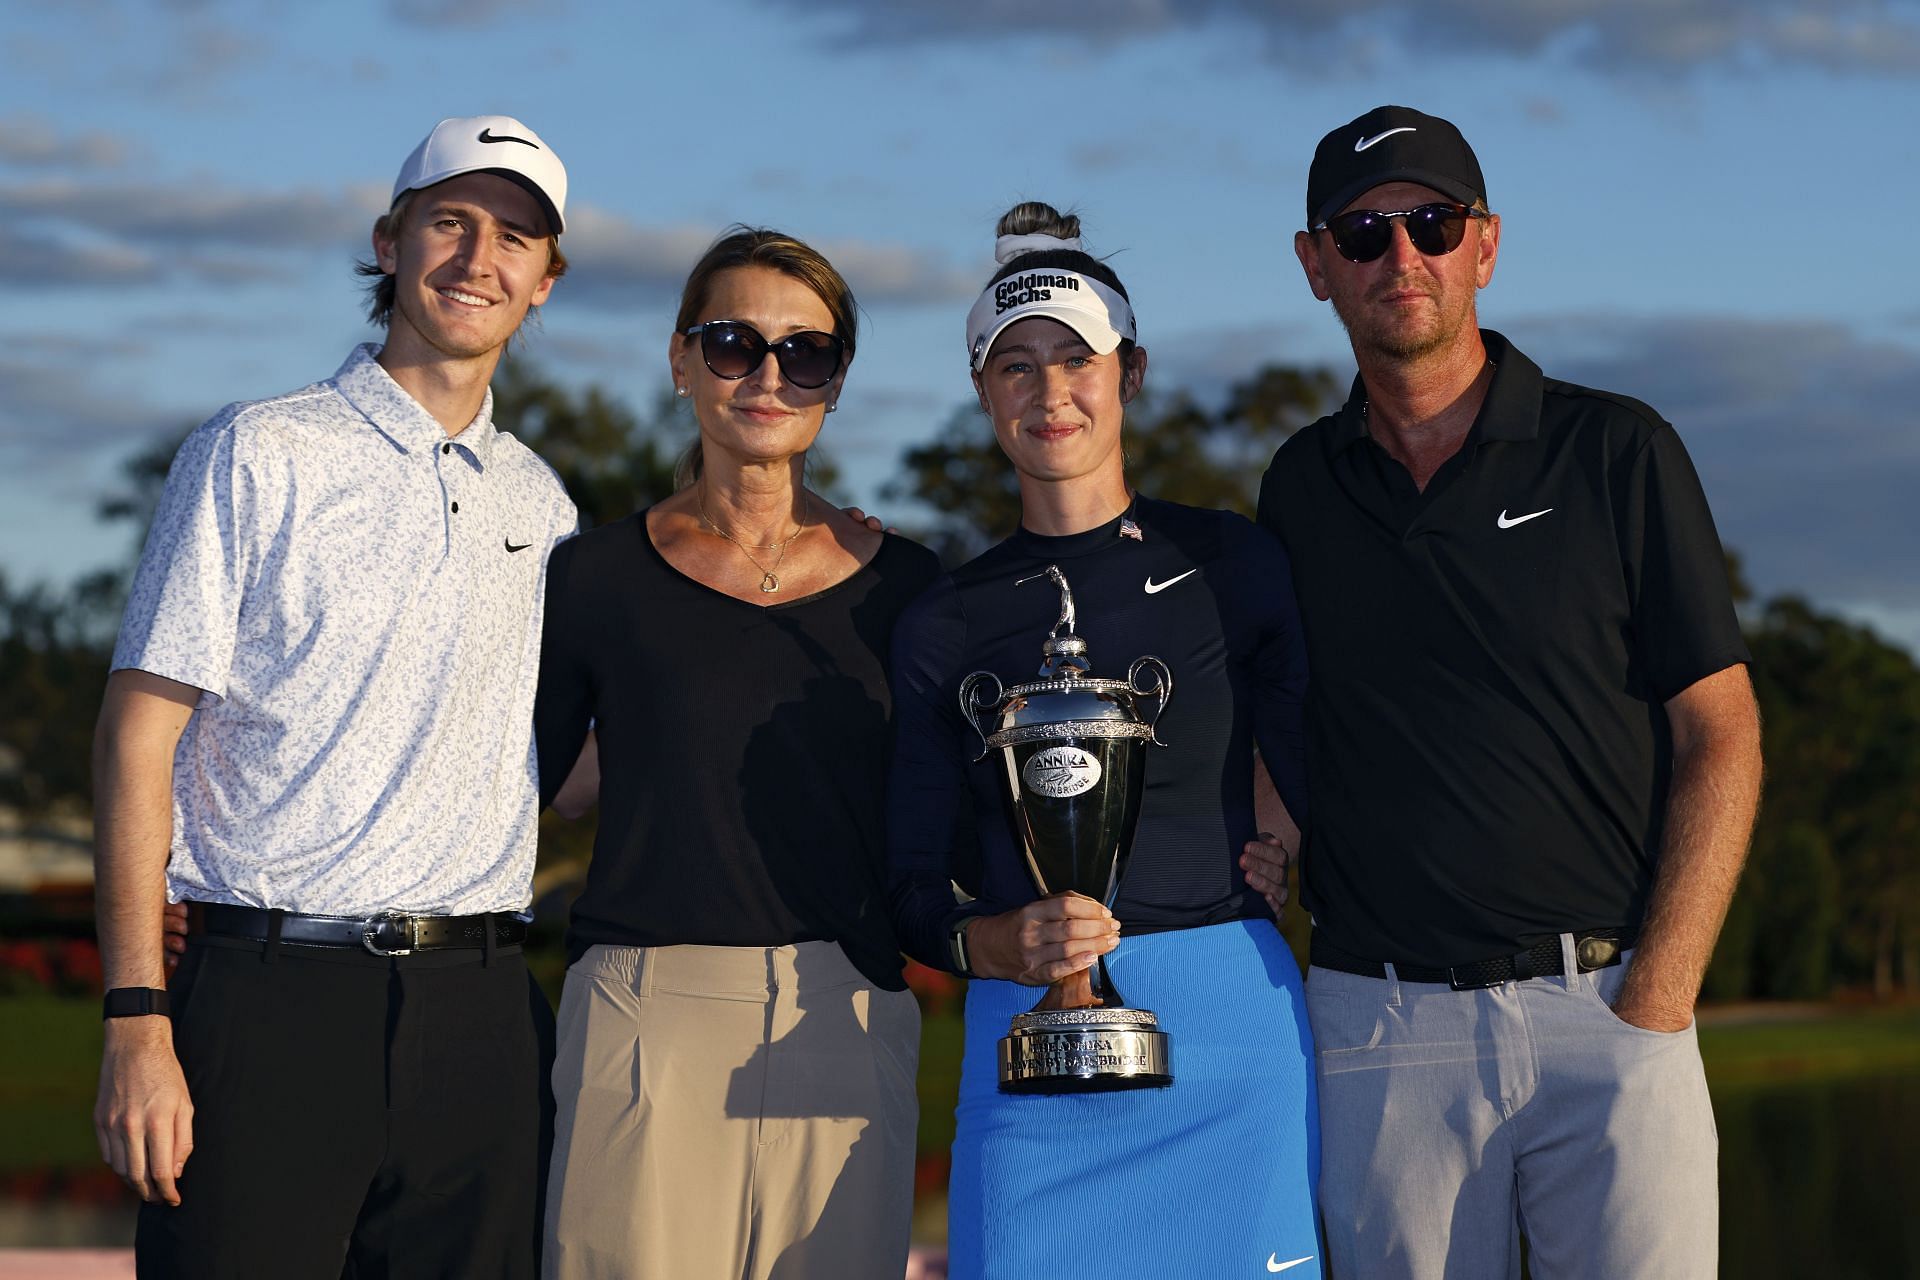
(872, 522)
(856, 533)
(1043, 941)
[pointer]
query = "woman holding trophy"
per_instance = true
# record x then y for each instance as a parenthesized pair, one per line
(1061, 1162)
(735, 1077)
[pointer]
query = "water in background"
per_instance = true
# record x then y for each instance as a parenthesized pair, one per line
(1820, 1178)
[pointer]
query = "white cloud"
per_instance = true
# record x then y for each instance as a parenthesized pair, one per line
(33, 261)
(1633, 36)
(463, 13)
(28, 141)
(1802, 432)
(158, 214)
(615, 261)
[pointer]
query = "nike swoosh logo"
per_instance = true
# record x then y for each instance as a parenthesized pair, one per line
(511, 548)
(1274, 1263)
(1154, 588)
(488, 135)
(1506, 522)
(1364, 143)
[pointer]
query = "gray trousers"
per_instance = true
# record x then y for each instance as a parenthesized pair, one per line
(1451, 1121)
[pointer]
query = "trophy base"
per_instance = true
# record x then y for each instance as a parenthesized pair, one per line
(1084, 1051)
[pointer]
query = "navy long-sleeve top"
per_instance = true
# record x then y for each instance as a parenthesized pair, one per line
(1206, 591)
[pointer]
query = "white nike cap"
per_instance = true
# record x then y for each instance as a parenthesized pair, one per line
(489, 144)
(1090, 308)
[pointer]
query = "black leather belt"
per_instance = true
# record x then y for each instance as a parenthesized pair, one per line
(1592, 949)
(387, 934)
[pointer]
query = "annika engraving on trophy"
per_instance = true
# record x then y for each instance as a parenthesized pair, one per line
(1073, 756)
(1054, 1058)
(1060, 772)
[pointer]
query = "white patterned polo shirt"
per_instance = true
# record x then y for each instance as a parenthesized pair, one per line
(359, 596)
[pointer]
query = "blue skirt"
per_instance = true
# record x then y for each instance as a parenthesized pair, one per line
(1211, 1177)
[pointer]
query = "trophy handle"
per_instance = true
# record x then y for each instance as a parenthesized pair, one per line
(971, 705)
(1161, 689)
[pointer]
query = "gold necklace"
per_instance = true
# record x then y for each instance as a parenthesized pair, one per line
(769, 579)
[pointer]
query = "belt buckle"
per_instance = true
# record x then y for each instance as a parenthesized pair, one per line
(372, 925)
(1459, 983)
(1592, 953)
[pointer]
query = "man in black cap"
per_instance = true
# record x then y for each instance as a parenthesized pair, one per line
(1535, 762)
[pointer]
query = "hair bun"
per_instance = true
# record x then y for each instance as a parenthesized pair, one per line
(1033, 227)
(1035, 218)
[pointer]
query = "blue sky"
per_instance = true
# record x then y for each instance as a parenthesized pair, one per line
(1707, 205)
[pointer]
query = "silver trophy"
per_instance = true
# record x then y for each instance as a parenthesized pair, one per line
(1074, 754)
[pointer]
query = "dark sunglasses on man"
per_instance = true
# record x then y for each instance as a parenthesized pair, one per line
(1361, 235)
(733, 349)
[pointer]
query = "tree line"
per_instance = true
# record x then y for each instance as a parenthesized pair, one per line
(1831, 895)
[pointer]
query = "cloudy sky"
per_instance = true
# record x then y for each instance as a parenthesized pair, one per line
(1705, 202)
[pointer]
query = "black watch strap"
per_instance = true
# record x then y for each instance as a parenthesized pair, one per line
(136, 1002)
(957, 946)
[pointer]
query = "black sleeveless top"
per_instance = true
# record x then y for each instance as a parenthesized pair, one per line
(742, 749)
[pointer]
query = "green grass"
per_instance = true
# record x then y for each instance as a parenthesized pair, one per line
(1827, 1044)
(49, 1070)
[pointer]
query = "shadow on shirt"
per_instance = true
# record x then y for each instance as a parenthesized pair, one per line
(812, 780)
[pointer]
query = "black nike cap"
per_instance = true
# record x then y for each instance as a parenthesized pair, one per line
(1391, 144)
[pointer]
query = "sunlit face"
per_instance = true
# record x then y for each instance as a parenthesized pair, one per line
(1056, 404)
(1403, 304)
(761, 417)
(468, 262)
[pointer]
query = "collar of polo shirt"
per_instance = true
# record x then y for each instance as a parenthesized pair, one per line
(1511, 410)
(403, 419)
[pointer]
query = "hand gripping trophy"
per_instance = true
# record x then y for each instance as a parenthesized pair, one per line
(1074, 754)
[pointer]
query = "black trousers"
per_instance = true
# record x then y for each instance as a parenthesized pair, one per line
(357, 1116)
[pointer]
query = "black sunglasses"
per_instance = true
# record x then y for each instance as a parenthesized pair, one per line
(1361, 235)
(733, 349)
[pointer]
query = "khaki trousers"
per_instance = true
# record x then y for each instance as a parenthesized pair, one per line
(731, 1112)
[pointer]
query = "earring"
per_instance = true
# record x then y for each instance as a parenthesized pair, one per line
(834, 405)
(680, 391)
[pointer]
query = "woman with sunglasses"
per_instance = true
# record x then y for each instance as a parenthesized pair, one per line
(1212, 1176)
(735, 1076)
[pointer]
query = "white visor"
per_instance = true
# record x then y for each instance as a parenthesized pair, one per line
(1091, 309)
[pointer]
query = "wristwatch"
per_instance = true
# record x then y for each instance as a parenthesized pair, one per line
(957, 946)
(136, 1002)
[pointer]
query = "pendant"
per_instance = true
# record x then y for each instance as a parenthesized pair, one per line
(769, 583)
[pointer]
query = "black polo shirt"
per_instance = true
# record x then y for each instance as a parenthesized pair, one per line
(1487, 747)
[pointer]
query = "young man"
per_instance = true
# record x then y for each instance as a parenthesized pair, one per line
(318, 732)
(1535, 762)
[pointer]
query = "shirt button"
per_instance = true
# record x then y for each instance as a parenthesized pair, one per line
(446, 448)
(456, 508)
